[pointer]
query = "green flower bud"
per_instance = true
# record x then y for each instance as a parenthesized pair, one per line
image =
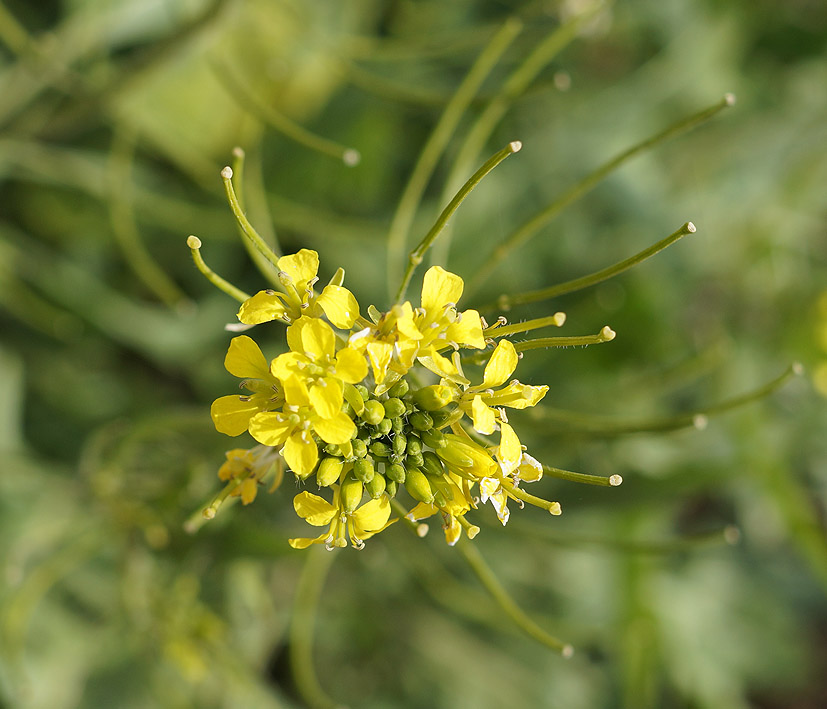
(351, 493)
(414, 460)
(421, 421)
(380, 450)
(390, 488)
(414, 445)
(375, 486)
(399, 389)
(394, 408)
(433, 397)
(363, 391)
(374, 412)
(439, 499)
(431, 464)
(442, 417)
(400, 443)
(398, 425)
(433, 438)
(395, 472)
(383, 428)
(363, 469)
(418, 486)
(360, 449)
(347, 409)
(329, 471)
(333, 449)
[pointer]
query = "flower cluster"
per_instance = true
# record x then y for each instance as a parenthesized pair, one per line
(371, 406)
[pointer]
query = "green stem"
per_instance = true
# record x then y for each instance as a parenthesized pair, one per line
(605, 335)
(492, 584)
(551, 507)
(416, 256)
(277, 120)
(497, 330)
(506, 302)
(514, 86)
(247, 230)
(223, 285)
(437, 141)
(611, 481)
(122, 217)
(305, 607)
(539, 220)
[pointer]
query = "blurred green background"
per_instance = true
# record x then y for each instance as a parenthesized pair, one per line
(115, 119)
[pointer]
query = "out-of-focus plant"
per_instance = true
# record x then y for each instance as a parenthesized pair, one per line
(115, 120)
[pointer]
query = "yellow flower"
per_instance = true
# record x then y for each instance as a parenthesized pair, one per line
(438, 319)
(391, 343)
(298, 276)
(231, 414)
(528, 470)
(359, 525)
(249, 466)
(313, 373)
(294, 428)
(456, 504)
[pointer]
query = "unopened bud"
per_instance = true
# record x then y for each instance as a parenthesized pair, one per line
(399, 389)
(395, 472)
(421, 421)
(374, 412)
(394, 408)
(351, 493)
(329, 471)
(433, 438)
(376, 486)
(433, 397)
(418, 486)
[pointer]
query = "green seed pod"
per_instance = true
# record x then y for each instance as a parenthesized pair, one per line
(399, 389)
(351, 493)
(380, 450)
(432, 465)
(374, 412)
(400, 443)
(390, 488)
(413, 446)
(414, 460)
(360, 449)
(363, 391)
(394, 408)
(376, 486)
(383, 428)
(433, 438)
(395, 472)
(433, 397)
(421, 421)
(363, 470)
(418, 486)
(329, 471)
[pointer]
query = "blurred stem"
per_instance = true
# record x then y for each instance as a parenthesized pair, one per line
(492, 584)
(436, 144)
(607, 425)
(305, 607)
(248, 101)
(514, 86)
(506, 302)
(122, 217)
(544, 216)
(610, 481)
(416, 256)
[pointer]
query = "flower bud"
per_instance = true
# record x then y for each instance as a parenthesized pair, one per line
(351, 493)
(413, 446)
(390, 488)
(363, 391)
(414, 460)
(395, 472)
(431, 464)
(374, 412)
(433, 397)
(383, 428)
(380, 450)
(329, 471)
(363, 470)
(400, 443)
(433, 438)
(375, 486)
(398, 425)
(399, 389)
(360, 449)
(421, 421)
(442, 417)
(394, 408)
(418, 486)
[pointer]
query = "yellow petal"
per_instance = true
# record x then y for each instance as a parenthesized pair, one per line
(301, 267)
(270, 428)
(231, 414)
(501, 365)
(483, 416)
(371, 516)
(423, 510)
(304, 542)
(351, 366)
(313, 338)
(405, 322)
(337, 429)
(441, 366)
(518, 396)
(313, 509)
(439, 288)
(264, 306)
(453, 531)
(530, 470)
(379, 354)
(249, 490)
(326, 396)
(301, 453)
(340, 306)
(467, 331)
(244, 359)
(509, 453)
